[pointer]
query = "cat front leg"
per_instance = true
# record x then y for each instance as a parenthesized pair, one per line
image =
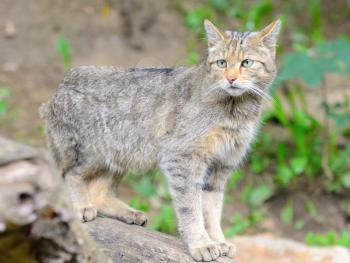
(212, 201)
(185, 184)
(79, 195)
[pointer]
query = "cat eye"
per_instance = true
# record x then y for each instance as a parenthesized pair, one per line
(247, 63)
(221, 63)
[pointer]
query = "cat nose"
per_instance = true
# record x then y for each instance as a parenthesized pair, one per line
(231, 79)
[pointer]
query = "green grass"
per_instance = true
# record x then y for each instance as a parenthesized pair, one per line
(331, 238)
(4, 96)
(64, 49)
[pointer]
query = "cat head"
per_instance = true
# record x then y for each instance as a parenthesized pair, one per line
(240, 62)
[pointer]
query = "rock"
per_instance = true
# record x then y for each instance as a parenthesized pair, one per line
(10, 67)
(263, 249)
(10, 29)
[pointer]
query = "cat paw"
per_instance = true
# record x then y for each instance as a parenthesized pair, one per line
(228, 249)
(136, 217)
(208, 251)
(87, 214)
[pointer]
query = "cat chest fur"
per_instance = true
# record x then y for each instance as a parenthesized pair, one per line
(228, 144)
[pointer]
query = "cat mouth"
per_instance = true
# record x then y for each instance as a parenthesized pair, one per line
(234, 87)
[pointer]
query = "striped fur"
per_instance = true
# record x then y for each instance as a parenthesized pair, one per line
(190, 122)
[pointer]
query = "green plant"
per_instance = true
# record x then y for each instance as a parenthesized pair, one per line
(194, 18)
(310, 66)
(138, 204)
(165, 221)
(258, 13)
(63, 48)
(295, 157)
(339, 112)
(239, 225)
(254, 197)
(331, 238)
(287, 213)
(310, 208)
(299, 224)
(316, 21)
(4, 94)
(234, 179)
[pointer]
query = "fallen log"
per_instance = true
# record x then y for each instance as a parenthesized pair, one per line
(131, 243)
(37, 222)
(36, 219)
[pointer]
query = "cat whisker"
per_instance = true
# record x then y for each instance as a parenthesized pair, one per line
(261, 93)
(212, 88)
(268, 96)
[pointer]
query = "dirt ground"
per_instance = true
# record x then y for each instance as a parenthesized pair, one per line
(146, 34)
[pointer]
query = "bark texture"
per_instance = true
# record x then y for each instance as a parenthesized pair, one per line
(131, 243)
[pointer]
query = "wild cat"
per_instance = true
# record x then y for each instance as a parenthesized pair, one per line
(195, 124)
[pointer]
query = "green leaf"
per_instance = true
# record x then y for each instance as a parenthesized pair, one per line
(194, 19)
(165, 221)
(284, 175)
(287, 213)
(345, 179)
(255, 16)
(344, 239)
(298, 164)
(63, 48)
(329, 239)
(279, 112)
(257, 164)
(220, 5)
(299, 224)
(192, 58)
(239, 226)
(301, 66)
(136, 203)
(3, 107)
(310, 67)
(235, 178)
(4, 94)
(146, 188)
(316, 21)
(310, 208)
(259, 195)
(337, 54)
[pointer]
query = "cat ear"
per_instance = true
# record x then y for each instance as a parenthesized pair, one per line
(269, 34)
(214, 34)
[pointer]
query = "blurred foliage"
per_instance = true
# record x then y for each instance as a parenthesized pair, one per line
(4, 95)
(311, 65)
(331, 238)
(287, 213)
(63, 48)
